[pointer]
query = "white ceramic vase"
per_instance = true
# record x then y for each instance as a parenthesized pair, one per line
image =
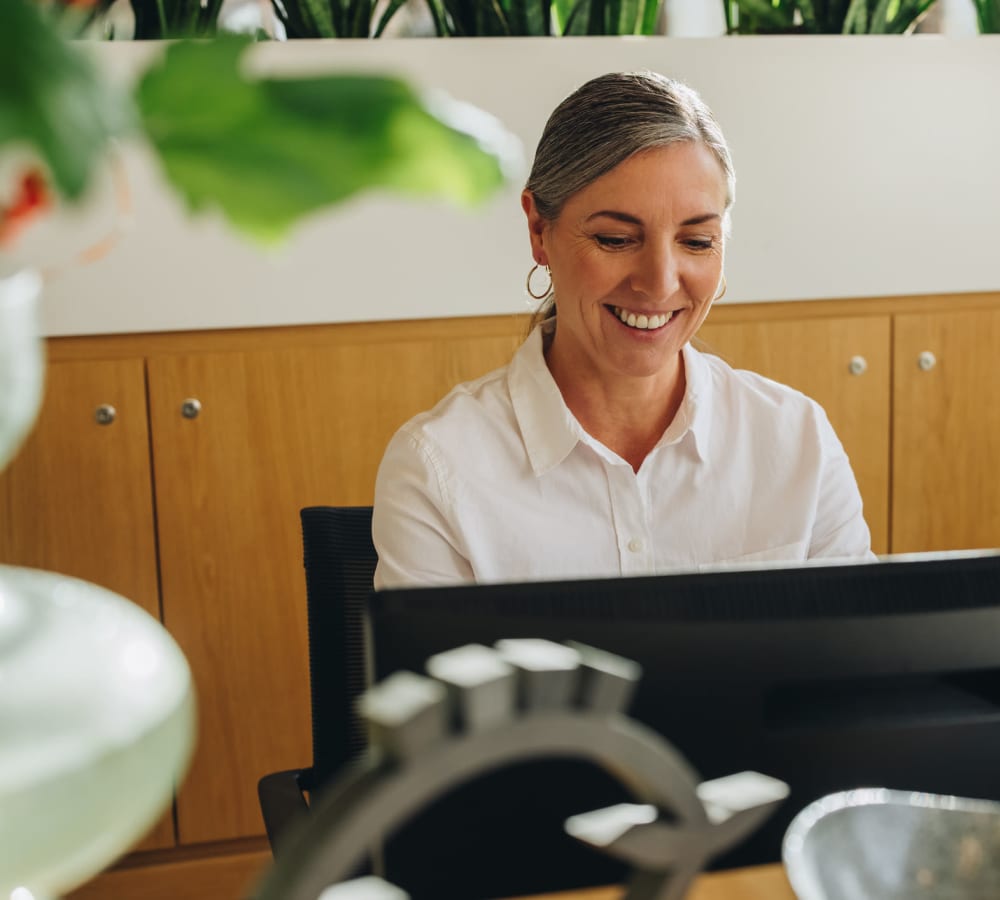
(96, 703)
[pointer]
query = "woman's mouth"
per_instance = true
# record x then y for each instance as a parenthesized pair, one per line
(641, 321)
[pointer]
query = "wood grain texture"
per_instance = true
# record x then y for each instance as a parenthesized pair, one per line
(946, 432)
(813, 356)
(117, 346)
(78, 499)
(224, 877)
(278, 430)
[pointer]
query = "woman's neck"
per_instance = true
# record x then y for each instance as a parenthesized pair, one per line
(627, 414)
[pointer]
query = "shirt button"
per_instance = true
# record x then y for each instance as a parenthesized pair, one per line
(635, 545)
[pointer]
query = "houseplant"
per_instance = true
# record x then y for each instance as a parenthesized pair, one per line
(266, 151)
(823, 16)
(503, 18)
(96, 698)
(369, 18)
(988, 15)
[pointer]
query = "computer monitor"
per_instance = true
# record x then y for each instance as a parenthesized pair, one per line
(829, 677)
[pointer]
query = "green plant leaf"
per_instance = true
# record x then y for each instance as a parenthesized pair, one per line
(52, 98)
(764, 15)
(879, 22)
(988, 16)
(856, 18)
(391, 9)
(528, 17)
(576, 17)
(483, 18)
(650, 14)
(175, 18)
(561, 12)
(269, 152)
(440, 18)
(318, 18)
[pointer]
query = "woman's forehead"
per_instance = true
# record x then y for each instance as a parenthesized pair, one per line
(683, 175)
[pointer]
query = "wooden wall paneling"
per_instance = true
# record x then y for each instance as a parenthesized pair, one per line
(813, 356)
(78, 499)
(946, 432)
(278, 430)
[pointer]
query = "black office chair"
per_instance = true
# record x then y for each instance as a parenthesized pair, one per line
(339, 559)
(498, 836)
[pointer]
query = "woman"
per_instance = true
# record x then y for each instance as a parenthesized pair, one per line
(609, 446)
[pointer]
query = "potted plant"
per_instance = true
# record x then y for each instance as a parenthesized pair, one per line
(988, 15)
(824, 16)
(503, 18)
(96, 694)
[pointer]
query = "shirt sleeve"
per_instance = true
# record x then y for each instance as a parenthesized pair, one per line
(840, 530)
(412, 523)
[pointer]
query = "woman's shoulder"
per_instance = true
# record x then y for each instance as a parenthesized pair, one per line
(759, 402)
(751, 386)
(478, 401)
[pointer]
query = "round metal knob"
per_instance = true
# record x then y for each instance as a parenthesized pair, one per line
(926, 361)
(858, 365)
(105, 414)
(190, 408)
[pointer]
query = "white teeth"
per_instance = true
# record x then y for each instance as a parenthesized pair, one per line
(642, 322)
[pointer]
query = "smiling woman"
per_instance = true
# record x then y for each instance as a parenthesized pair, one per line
(636, 261)
(609, 446)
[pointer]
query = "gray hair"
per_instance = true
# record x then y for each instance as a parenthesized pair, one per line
(606, 121)
(611, 118)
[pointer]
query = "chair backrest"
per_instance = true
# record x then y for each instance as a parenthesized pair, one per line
(499, 836)
(340, 560)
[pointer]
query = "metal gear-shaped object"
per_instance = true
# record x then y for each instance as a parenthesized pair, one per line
(482, 708)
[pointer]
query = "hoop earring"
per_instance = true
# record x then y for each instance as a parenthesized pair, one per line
(541, 295)
(721, 293)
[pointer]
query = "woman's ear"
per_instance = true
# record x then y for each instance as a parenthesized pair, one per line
(536, 227)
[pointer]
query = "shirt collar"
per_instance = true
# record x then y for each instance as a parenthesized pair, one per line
(550, 431)
(695, 414)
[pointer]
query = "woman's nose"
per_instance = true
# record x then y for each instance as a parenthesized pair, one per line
(656, 273)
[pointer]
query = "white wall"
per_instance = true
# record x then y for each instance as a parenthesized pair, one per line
(866, 167)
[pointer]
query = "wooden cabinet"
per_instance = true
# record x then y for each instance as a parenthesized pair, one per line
(277, 430)
(946, 431)
(196, 517)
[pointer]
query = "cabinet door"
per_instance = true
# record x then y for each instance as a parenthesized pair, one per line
(78, 498)
(277, 430)
(814, 356)
(946, 431)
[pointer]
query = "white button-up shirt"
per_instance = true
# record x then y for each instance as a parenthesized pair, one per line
(499, 482)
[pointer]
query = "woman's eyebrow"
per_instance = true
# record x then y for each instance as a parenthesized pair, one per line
(635, 220)
(615, 214)
(699, 220)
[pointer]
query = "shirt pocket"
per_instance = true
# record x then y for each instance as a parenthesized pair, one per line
(771, 558)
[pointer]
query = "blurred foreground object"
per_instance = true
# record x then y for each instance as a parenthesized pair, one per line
(265, 152)
(96, 727)
(487, 708)
(22, 360)
(894, 845)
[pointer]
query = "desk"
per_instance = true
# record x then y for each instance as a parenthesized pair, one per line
(755, 883)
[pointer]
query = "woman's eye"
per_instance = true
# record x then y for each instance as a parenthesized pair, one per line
(700, 243)
(612, 241)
